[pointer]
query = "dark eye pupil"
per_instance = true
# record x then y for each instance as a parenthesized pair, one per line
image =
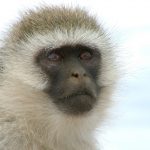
(54, 57)
(85, 55)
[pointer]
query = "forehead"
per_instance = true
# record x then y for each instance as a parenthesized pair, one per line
(49, 19)
(69, 49)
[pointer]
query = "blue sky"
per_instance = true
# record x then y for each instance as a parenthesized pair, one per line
(128, 21)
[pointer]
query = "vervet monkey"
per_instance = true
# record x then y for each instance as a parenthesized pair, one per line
(58, 73)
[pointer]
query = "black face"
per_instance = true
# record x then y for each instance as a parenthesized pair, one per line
(72, 73)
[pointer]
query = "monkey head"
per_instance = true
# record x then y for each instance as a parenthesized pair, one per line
(64, 53)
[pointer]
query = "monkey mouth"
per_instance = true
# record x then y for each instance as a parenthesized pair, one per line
(77, 103)
(78, 94)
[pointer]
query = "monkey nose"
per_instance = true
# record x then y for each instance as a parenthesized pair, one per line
(79, 78)
(78, 75)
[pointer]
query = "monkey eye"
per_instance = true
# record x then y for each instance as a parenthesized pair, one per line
(85, 56)
(53, 56)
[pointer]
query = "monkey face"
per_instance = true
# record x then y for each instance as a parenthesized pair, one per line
(72, 71)
(70, 74)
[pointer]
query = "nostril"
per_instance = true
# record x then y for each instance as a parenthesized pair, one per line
(76, 75)
(84, 74)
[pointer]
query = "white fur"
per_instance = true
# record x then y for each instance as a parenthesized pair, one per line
(33, 118)
(28, 118)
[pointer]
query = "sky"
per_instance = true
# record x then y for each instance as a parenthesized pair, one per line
(128, 22)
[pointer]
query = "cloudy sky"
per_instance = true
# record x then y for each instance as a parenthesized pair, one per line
(128, 21)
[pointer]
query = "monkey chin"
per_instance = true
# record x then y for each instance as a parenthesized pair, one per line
(77, 103)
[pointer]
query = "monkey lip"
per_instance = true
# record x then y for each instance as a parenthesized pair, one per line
(78, 94)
